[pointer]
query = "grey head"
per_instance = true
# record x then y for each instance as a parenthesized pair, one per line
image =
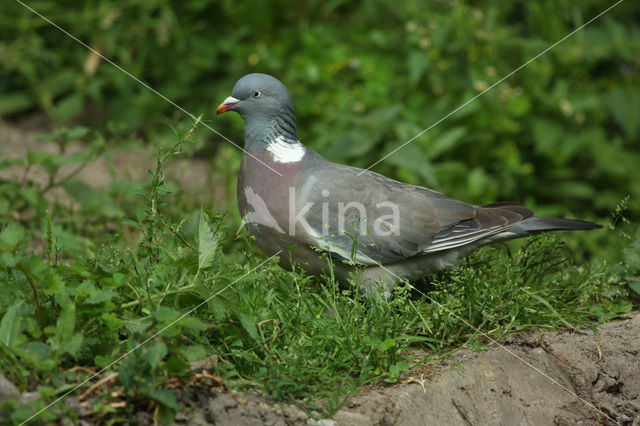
(266, 107)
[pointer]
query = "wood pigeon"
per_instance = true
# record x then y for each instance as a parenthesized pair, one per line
(293, 199)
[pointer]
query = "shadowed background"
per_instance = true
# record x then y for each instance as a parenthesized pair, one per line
(560, 135)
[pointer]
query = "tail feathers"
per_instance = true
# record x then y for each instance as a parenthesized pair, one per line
(537, 224)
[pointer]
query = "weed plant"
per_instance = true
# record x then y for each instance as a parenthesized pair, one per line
(85, 284)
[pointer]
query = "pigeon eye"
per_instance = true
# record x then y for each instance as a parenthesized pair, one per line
(257, 94)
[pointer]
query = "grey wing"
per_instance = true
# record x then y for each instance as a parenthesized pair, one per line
(372, 219)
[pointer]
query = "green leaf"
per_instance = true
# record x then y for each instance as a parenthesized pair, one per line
(66, 324)
(130, 223)
(10, 325)
(39, 350)
(8, 259)
(248, 323)
(53, 284)
(635, 286)
(412, 158)
(138, 325)
(417, 63)
(101, 361)
(15, 102)
(155, 352)
(622, 103)
(74, 344)
(165, 397)
(194, 352)
(80, 191)
(100, 296)
(127, 372)
(519, 105)
(193, 323)
(445, 141)
(11, 236)
(207, 243)
(69, 106)
(166, 315)
(387, 344)
(111, 320)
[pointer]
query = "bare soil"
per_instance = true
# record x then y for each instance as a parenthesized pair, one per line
(533, 379)
(193, 175)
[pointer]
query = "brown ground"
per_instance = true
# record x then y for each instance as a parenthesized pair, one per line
(132, 163)
(474, 388)
(490, 387)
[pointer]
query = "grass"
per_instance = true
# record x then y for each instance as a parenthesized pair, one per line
(83, 285)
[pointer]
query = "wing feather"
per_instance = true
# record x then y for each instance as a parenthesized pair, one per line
(428, 221)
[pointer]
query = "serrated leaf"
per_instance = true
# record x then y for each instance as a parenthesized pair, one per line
(100, 296)
(194, 352)
(138, 325)
(10, 325)
(74, 344)
(165, 315)
(207, 243)
(193, 323)
(155, 353)
(111, 320)
(8, 259)
(53, 284)
(38, 350)
(11, 236)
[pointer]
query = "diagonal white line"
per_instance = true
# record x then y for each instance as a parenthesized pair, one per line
(492, 86)
(492, 340)
(145, 85)
(150, 337)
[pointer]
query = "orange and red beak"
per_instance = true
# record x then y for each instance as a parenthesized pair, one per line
(228, 104)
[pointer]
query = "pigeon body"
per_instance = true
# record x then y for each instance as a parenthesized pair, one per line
(292, 199)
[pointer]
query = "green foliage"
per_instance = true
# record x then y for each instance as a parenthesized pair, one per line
(89, 282)
(113, 304)
(374, 72)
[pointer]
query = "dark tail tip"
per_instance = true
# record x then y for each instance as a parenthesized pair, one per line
(539, 224)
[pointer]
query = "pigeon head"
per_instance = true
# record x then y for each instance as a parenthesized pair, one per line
(264, 104)
(257, 95)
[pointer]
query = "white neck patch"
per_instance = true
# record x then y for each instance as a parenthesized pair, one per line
(285, 150)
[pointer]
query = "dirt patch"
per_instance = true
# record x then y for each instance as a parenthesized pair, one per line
(194, 175)
(489, 387)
